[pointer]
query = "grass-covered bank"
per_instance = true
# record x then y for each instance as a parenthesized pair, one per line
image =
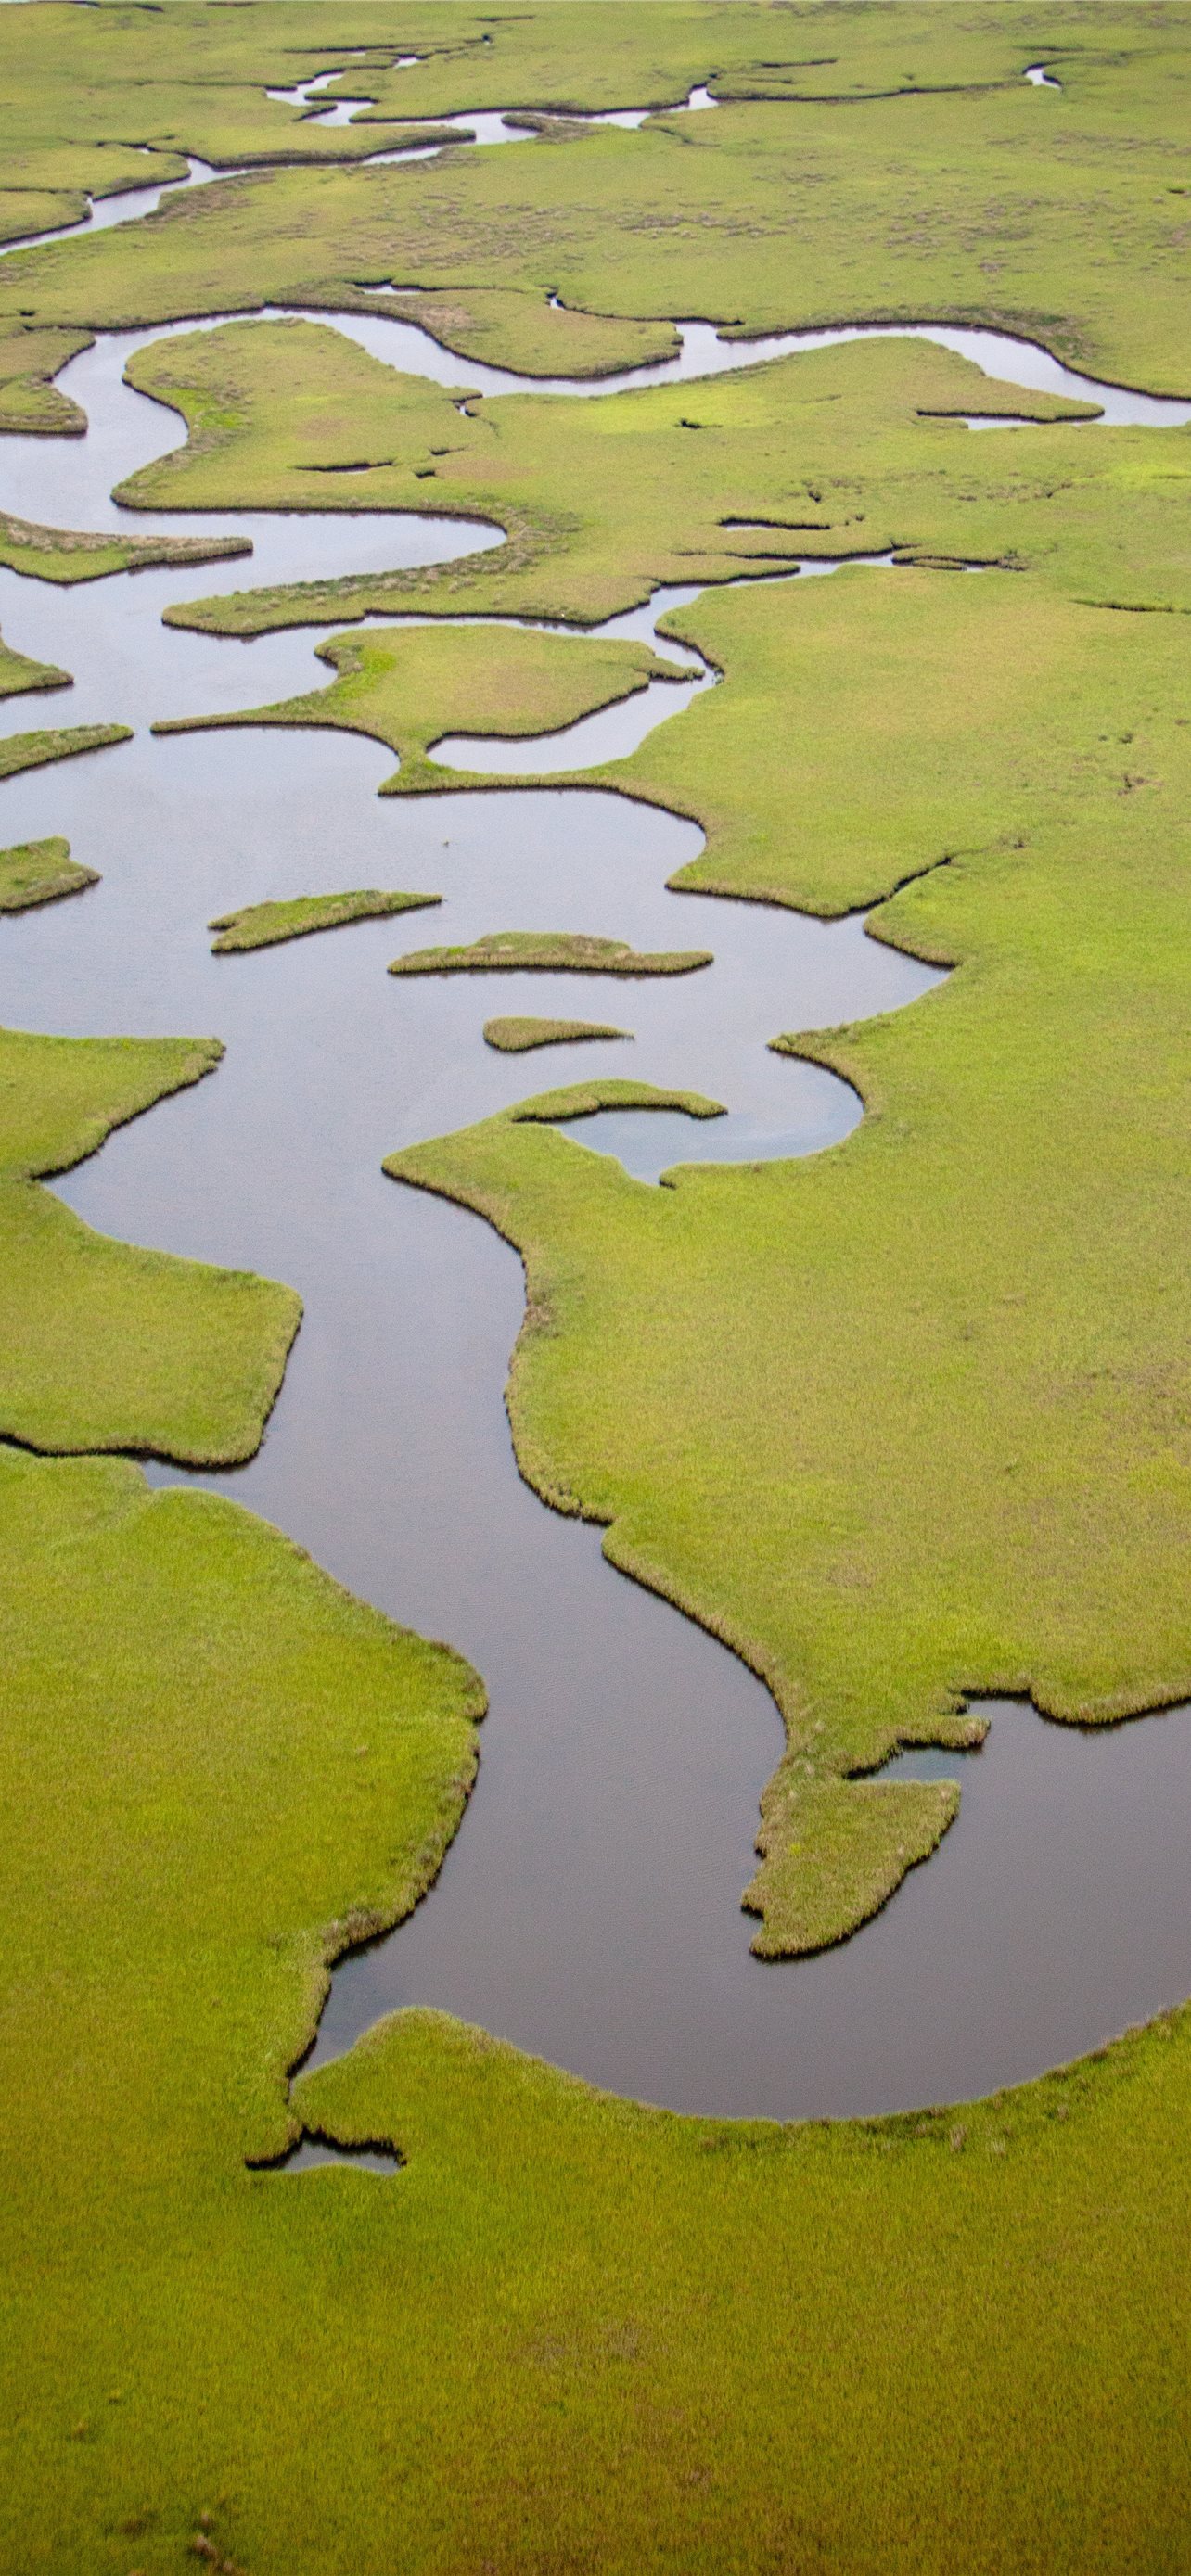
(72, 554)
(109, 1346)
(904, 1421)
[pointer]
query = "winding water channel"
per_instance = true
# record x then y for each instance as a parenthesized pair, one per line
(589, 1908)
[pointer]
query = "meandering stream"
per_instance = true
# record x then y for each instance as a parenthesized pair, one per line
(589, 1908)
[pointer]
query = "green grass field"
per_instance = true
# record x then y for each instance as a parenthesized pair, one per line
(851, 450)
(569, 2330)
(866, 186)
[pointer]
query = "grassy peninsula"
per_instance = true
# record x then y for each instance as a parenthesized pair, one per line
(18, 674)
(71, 554)
(410, 688)
(20, 751)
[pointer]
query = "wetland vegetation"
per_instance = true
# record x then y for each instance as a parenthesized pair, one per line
(515, 1036)
(548, 953)
(903, 1422)
(264, 925)
(40, 872)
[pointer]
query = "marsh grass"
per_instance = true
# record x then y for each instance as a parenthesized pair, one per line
(70, 555)
(263, 925)
(514, 1036)
(901, 1422)
(550, 953)
(109, 1346)
(18, 674)
(40, 872)
(411, 687)
(20, 751)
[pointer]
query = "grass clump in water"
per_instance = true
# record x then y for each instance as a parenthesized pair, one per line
(263, 925)
(514, 1036)
(20, 751)
(40, 872)
(19, 674)
(568, 952)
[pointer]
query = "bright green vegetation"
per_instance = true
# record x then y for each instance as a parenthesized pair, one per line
(70, 555)
(29, 359)
(583, 1099)
(856, 189)
(40, 872)
(516, 1036)
(262, 925)
(956, 755)
(411, 687)
(902, 1422)
(34, 750)
(954, 1417)
(848, 450)
(18, 674)
(550, 952)
(219, 1770)
(107, 1346)
(507, 327)
(115, 101)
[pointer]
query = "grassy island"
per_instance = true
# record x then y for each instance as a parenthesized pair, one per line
(562, 952)
(516, 1036)
(40, 872)
(264, 925)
